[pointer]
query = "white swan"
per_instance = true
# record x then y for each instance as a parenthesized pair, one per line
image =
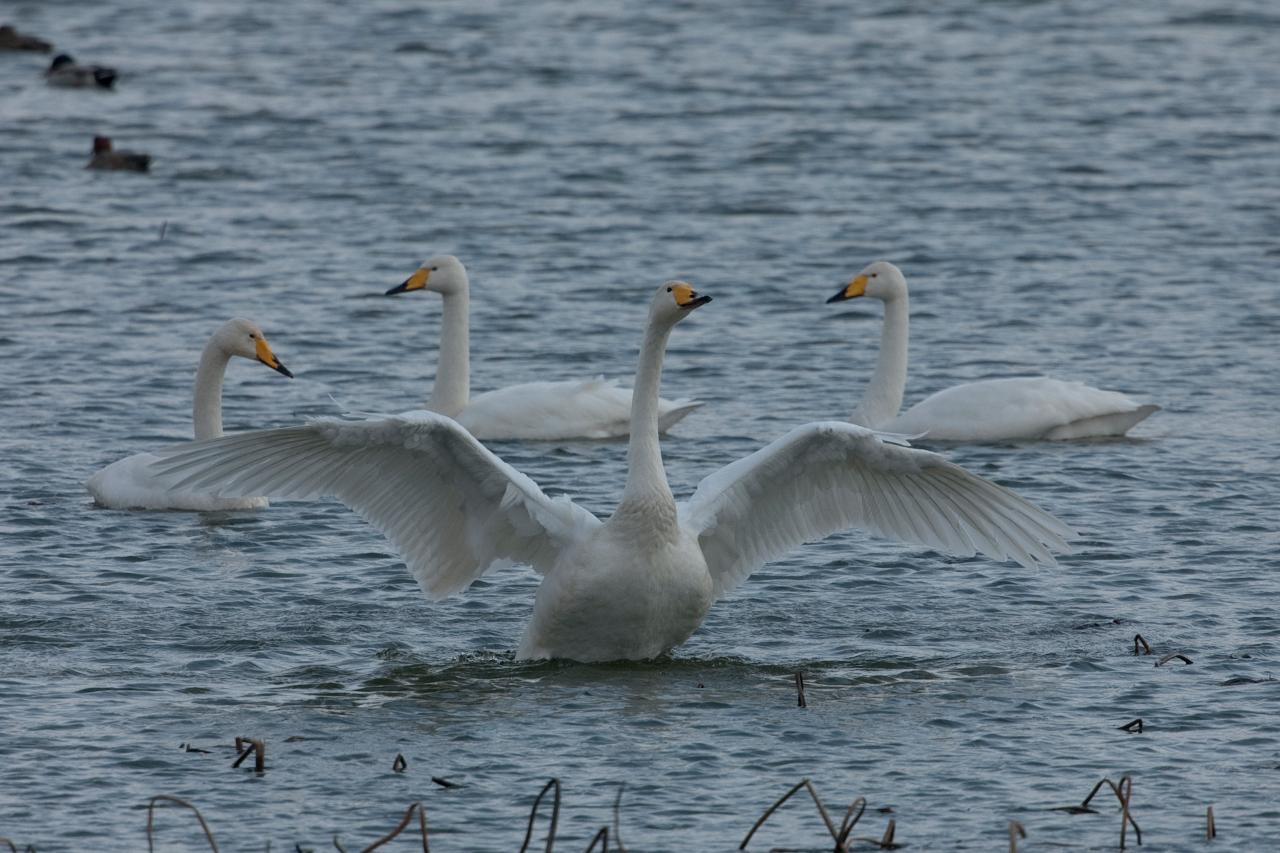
(130, 483)
(1024, 407)
(640, 583)
(575, 408)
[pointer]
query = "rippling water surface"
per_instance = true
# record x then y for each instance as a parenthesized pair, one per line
(1083, 189)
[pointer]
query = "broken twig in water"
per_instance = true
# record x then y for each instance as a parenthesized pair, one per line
(1123, 792)
(12, 846)
(445, 783)
(602, 834)
(803, 783)
(1146, 647)
(151, 806)
(399, 765)
(617, 819)
(1131, 726)
(850, 821)
(245, 745)
(800, 689)
(555, 815)
(1016, 831)
(1174, 656)
(404, 821)
(1210, 831)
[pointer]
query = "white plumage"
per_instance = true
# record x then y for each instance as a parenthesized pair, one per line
(639, 583)
(548, 410)
(130, 483)
(1023, 407)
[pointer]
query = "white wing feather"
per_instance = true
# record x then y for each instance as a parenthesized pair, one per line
(449, 505)
(828, 476)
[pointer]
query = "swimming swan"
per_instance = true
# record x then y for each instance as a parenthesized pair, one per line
(1024, 407)
(638, 584)
(130, 483)
(575, 408)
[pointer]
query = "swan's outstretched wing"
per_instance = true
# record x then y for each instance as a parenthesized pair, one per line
(824, 477)
(450, 506)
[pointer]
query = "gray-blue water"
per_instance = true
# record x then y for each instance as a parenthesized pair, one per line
(1088, 190)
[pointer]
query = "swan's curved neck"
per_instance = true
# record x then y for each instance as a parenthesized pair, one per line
(452, 387)
(207, 409)
(883, 397)
(646, 478)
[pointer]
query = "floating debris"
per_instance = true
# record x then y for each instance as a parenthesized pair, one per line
(399, 765)
(800, 689)
(1146, 647)
(246, 745)
(186, 747)
(1123, 792)
(1174, 656)
(1210, 831)
(1131, 726)
(445, 783)
(1237, 680)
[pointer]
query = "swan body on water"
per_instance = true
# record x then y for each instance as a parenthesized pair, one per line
(1023, 407)
(130, 483)
(548, 410)
(640, 582)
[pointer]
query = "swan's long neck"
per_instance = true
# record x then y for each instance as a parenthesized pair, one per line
(883, 397)
(453, 372)
(646, 478)
(207, 410)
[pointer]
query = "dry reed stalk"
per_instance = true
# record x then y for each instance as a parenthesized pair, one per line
(886, 842)
(15, 849)
(617, 819)
(404, 821)
(822, 810)
(555, 815)
(800, 690)
(602, 834)
(399, 765)
(1146, 647)
(445, 783)
(1210, 831)
(245, 745)
(1016, 830)
(850, 821)
(151, 806)
(1124, 792)
(1131, 725)
(1174, 656)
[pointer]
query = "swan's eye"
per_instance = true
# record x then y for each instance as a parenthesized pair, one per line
(433, 269)
(668, 290)
(874, 274)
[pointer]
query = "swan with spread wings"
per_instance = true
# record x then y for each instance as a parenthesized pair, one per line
(639, 583)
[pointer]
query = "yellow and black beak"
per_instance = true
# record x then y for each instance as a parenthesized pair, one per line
(417, 281)
(267, 357)
(687, 298)
(852, 290)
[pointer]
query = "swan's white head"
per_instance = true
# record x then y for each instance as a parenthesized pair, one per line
(673, 302)
(444, 274)
(880, 280)
(243, 338)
